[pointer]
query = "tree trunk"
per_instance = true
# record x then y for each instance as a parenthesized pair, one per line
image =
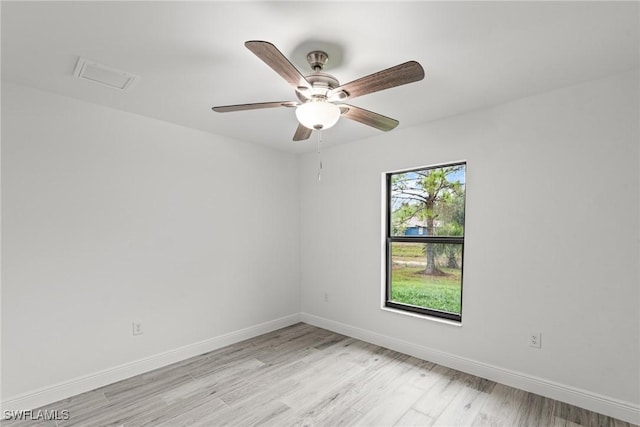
(452, 262)
(431, 268)
(431, 260)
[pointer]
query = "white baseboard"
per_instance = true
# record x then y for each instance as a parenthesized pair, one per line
(602, 404)
(585, 399)
(56, 392)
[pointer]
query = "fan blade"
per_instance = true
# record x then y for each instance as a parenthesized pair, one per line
(367, 117)
(255, 106)
(408, 72)
(302, 133)
(278, 62)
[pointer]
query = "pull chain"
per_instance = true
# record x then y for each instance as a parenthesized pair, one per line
(319, 157)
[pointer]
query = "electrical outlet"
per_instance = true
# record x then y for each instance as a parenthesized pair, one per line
(326, 297)
(535, 340)
(137, 328)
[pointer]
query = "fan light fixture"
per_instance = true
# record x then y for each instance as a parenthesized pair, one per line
(318, 114)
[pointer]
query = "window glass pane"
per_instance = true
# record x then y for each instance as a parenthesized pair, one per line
(428, 202)
(427, 275)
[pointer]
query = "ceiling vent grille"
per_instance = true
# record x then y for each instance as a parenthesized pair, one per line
(103, 75)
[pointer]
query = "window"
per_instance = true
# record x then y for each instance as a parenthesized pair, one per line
(425, 240)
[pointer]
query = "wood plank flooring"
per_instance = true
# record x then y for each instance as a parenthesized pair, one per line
(306, 376)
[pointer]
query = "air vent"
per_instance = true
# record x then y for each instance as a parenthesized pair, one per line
(104, 75)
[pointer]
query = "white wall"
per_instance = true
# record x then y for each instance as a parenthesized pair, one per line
(552, 228)
(109, 217)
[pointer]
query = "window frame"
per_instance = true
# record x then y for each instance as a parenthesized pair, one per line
(390, 239)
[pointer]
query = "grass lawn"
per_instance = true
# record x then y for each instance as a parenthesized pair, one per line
(408, 286)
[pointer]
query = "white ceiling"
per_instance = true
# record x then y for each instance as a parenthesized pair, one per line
(191, 55)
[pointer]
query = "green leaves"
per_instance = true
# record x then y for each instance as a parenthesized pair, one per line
(433, 198)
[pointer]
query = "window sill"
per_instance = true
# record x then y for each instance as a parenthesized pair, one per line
(422, 316)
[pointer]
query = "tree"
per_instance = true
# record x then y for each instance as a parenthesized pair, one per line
(453, 219)
(426, 195)
(452, 251)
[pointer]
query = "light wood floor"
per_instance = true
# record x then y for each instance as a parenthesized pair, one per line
(306, 376)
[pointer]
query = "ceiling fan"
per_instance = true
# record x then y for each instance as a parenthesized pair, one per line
(320, 94)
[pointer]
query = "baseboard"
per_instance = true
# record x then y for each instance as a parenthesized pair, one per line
(54, 393)
(594, 402)
(582, 398)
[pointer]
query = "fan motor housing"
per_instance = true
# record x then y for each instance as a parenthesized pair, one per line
(321, 84)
